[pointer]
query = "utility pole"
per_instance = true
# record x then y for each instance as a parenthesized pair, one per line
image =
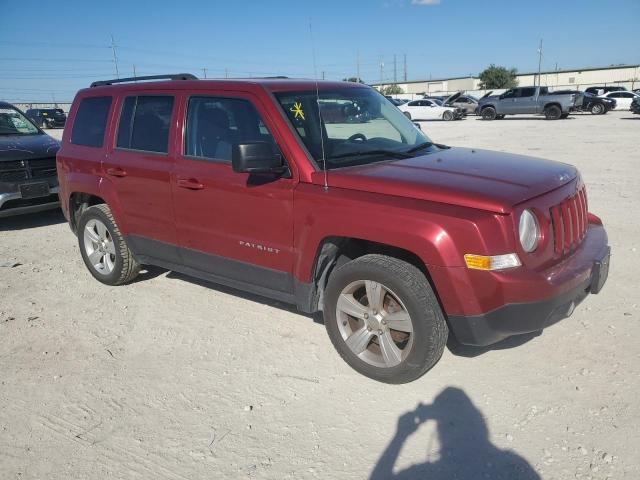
(395, 69)
(381, 70)
(405, 67)
(204, 72)
(358, 65)
(539, 61)
(115, 56)
(226, 73)
(323, 74)
(134, 71)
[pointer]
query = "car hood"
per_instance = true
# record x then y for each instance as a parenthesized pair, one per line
(24, 147)
(483, 179)
(453, 98)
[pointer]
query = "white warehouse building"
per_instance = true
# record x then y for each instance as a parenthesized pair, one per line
(627, 76)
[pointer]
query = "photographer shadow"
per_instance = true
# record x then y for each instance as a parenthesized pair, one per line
(466, 453)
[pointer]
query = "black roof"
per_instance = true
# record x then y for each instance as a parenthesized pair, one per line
(6, 105)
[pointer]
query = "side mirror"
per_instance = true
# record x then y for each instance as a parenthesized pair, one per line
(417, 125)
(256, 157)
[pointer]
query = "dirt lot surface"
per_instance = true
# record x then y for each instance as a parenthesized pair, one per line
(170, 378)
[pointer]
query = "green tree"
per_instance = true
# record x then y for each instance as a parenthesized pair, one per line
(498, 77)
(353, 79)
(391, 90)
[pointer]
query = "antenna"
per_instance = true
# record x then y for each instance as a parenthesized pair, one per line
(315, 76)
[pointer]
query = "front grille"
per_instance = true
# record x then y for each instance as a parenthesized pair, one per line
(20, 170)
(13, 176)
(570, 222)
(43, 167)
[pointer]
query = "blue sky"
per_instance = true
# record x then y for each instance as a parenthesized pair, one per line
(50, 49)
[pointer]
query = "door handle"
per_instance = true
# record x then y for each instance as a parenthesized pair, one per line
(190, 183)
(116, 172)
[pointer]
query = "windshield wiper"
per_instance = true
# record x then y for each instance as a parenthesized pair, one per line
(360, 153)
(420, 147)
(424, 145)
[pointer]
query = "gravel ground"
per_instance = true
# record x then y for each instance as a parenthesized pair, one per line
(174, 378)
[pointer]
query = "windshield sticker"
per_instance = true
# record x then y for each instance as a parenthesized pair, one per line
(297, 111)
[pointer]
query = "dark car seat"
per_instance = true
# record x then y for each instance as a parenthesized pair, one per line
(214, 137)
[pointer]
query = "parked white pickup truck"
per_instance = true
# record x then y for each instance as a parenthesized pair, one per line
(528, 100)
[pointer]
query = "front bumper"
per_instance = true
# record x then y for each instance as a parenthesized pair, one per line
(27, 206)
(553, 295)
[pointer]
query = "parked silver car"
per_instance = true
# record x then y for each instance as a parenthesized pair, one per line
(466, 103)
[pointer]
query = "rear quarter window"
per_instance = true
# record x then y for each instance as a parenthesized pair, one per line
(91, 121)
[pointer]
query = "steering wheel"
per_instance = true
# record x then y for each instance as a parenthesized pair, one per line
(357, 136)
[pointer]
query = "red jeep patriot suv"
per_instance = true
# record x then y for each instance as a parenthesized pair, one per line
(324, 195)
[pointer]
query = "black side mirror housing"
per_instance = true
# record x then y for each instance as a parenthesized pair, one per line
(417, 125)
(255, 158)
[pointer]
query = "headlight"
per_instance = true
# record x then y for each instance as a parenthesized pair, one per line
(529, 231)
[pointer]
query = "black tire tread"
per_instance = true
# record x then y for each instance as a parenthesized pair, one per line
(130, 267)
(418, 287)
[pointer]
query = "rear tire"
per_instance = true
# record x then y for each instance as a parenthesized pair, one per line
(407, 114)
(394, 339)
(488, 113)
(103, 248)
(447, 115)
(552, 112)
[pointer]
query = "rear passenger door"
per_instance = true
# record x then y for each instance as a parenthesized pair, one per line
(235, 226)
(139, 166)
(526, 102)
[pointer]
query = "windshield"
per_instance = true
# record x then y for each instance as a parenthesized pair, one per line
(12, 122)
(359, 126)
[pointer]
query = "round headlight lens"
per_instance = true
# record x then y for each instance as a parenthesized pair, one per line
(529, 231)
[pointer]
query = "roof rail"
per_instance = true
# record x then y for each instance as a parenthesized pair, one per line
(173, 76)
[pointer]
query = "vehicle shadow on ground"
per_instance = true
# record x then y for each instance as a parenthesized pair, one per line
(32, 220)
(465, 452)
(469, 351)
(630, 118)
(316, 317)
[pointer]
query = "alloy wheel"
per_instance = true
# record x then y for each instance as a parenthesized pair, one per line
(99, 247)
(374, 323)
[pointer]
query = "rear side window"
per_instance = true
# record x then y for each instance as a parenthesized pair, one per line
(145, 122)
(91, 121)
(527, 92)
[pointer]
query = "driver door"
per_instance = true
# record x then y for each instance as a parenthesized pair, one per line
(233, 225)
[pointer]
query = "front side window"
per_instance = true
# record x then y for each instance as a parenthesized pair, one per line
(354, 125)
(145, 122)
(215, 125)
(91, 121)
(12, 122)
(509, 94)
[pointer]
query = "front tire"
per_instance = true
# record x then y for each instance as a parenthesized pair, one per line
(552, 112)
(103, 249)
(384, 319)
(488, 113)
(447, 115)
(407, 114)
(597, 109)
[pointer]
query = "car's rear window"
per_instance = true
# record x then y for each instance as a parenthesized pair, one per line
(144, 123)
(91, 121)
